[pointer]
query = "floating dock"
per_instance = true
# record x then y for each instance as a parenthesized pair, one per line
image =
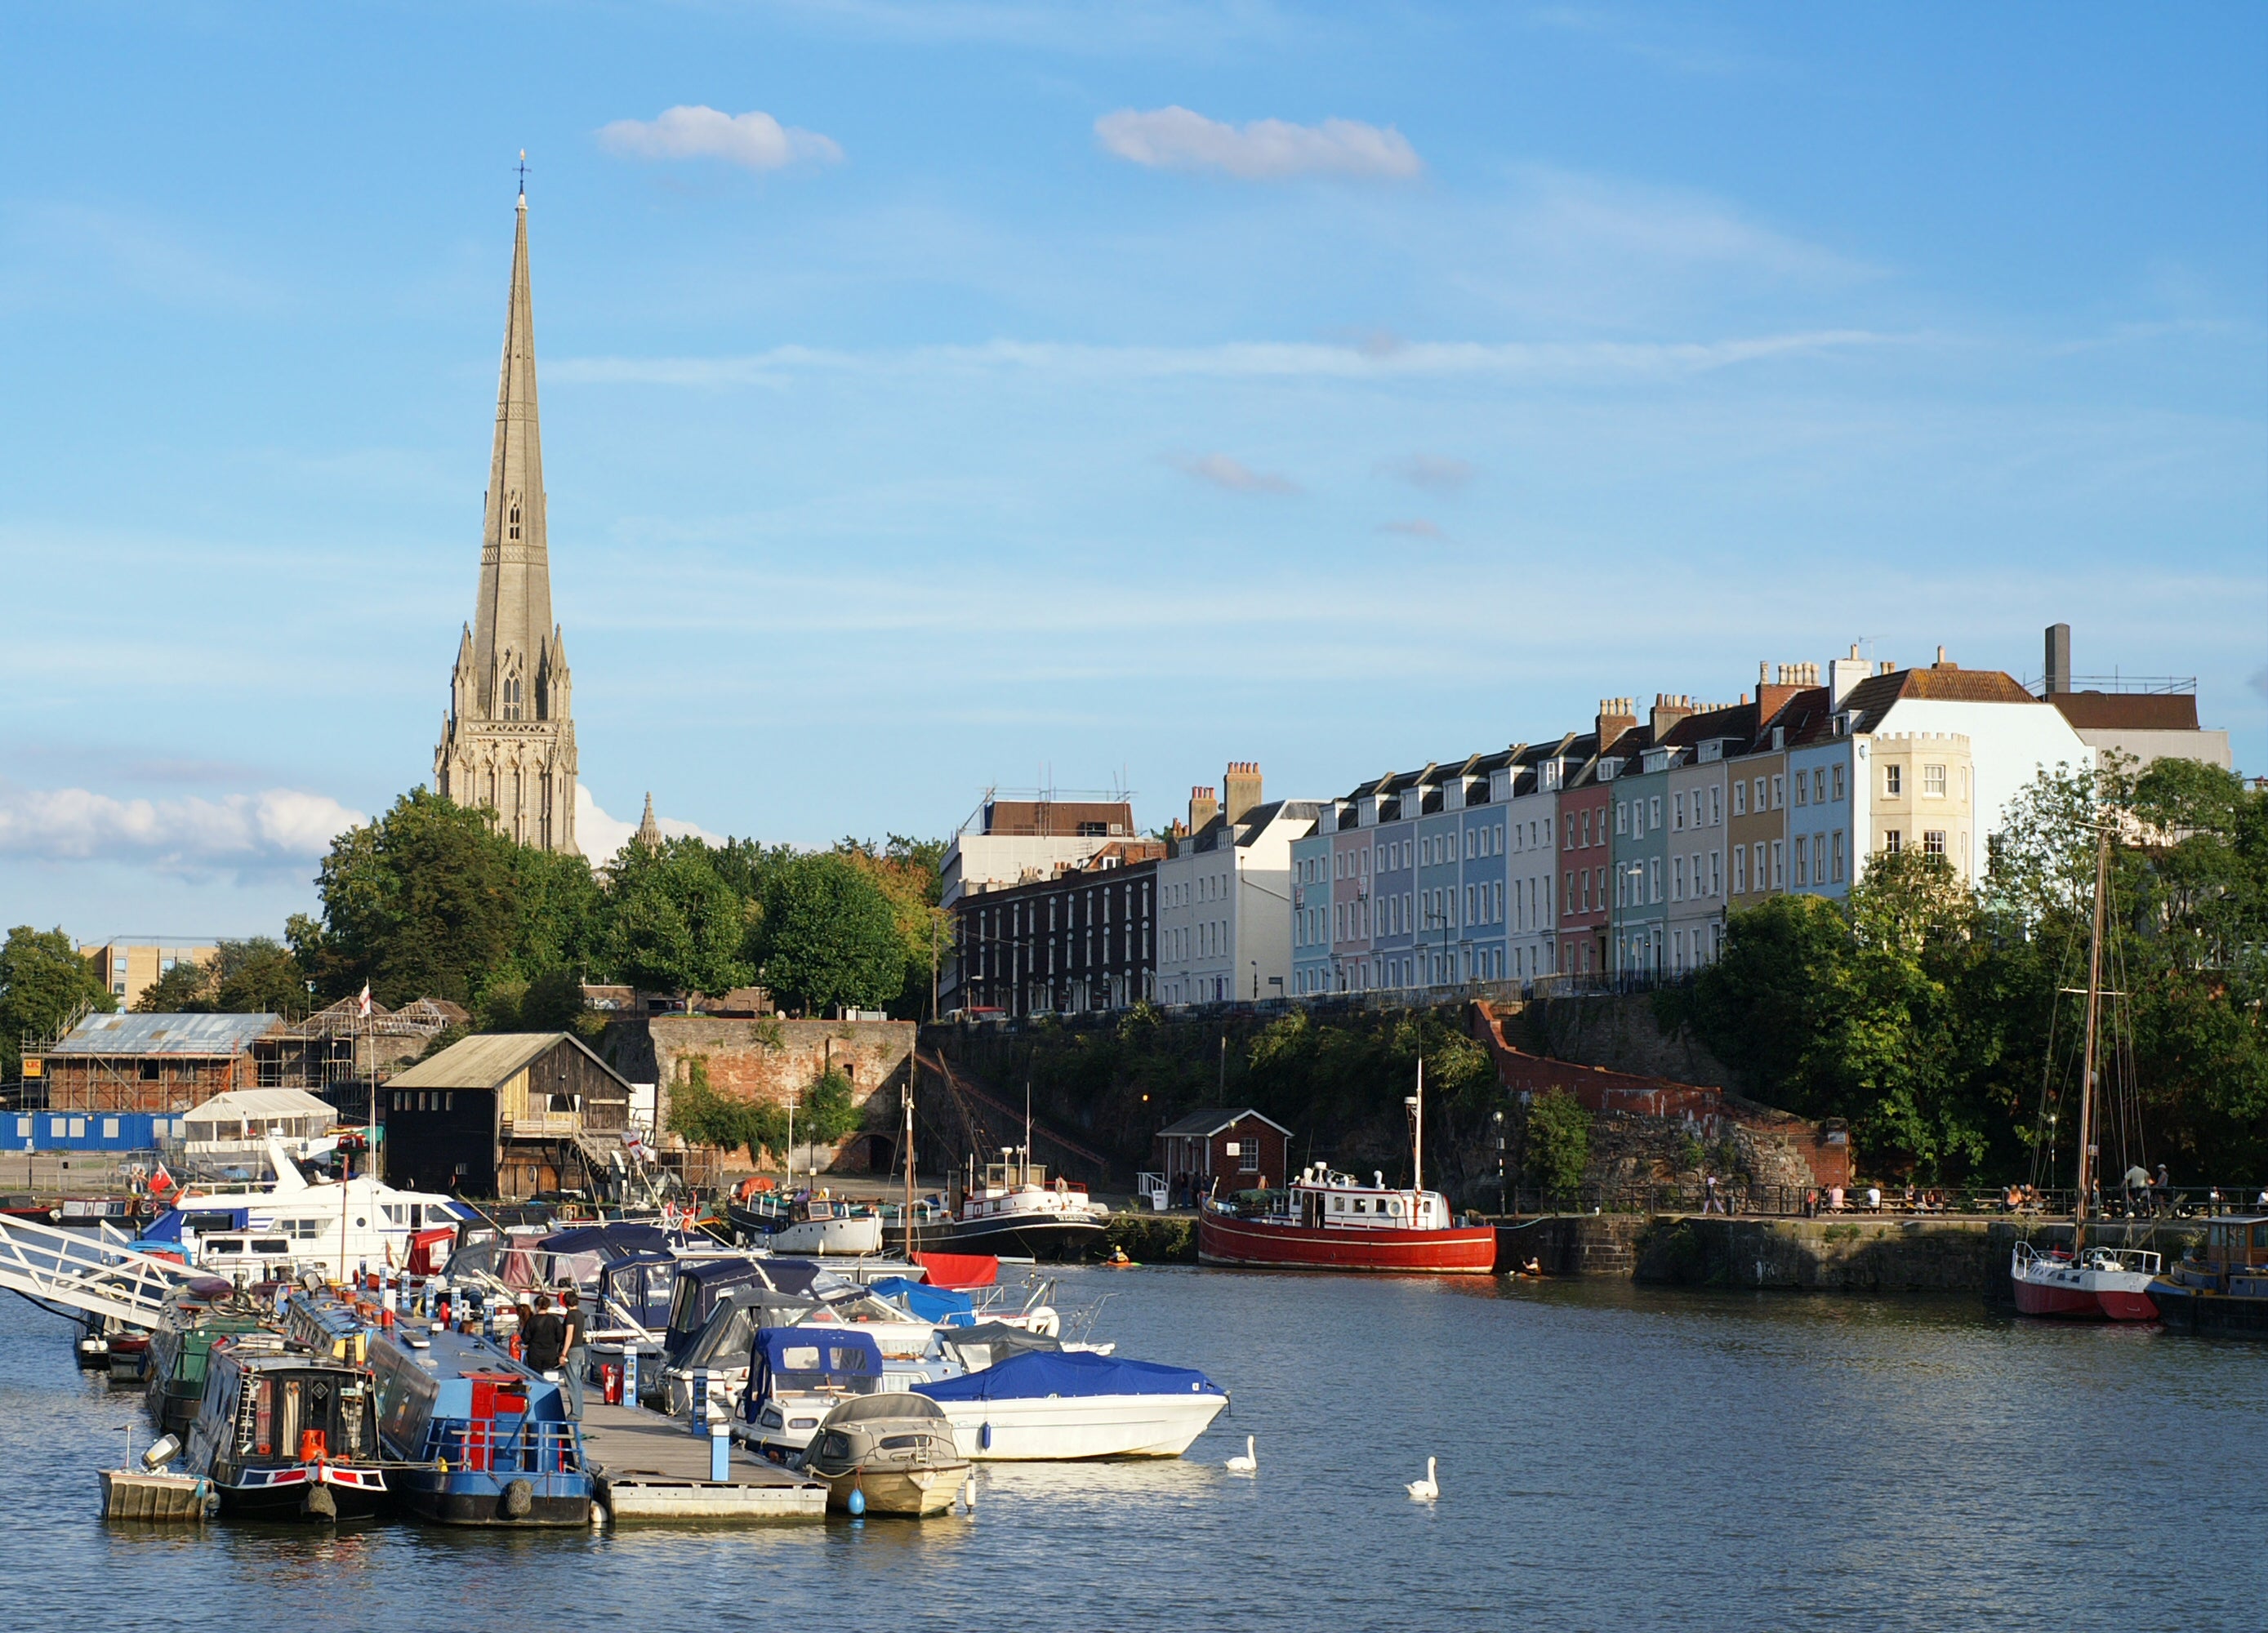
(649, 1466)
(136, 1494)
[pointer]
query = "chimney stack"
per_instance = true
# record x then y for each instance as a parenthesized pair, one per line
(1942, 664)
(1202, 808)
(1843, 673)
(1240, 789)
(1669, 709)
(2058, 669)
(1616, 715)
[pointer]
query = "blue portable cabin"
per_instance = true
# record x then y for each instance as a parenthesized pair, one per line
(90, 1131)
(484, 1439)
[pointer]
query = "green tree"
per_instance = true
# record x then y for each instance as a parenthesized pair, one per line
(419, 903)
(828, 936)
(1558, 1143)
(906, 870)
(185, 989)
(824, 1111)
(43, 983)
(673, 924)
(257, 975)
(706, 1116)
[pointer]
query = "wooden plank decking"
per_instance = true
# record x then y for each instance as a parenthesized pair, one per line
(649, 1467)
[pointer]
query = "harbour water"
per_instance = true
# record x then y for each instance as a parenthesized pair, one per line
(1610, 1457)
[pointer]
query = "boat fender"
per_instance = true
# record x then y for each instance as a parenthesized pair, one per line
(518, 1499)
(319, 1504)
(857, 1503)
(985, 1438)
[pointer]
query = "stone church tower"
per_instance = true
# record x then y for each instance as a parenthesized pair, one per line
(508, 742)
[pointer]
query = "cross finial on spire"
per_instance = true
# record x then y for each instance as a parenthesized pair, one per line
(523, 173)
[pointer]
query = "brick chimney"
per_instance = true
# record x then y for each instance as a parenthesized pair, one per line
(1778, 683)
(1616, 715)
(1202, 808)
(1240, 789)
(1669, 709)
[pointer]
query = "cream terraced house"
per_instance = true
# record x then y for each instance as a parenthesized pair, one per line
(1224, 896)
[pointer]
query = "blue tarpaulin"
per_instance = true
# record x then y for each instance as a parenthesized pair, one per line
(1041, 1373)
(939, 1305)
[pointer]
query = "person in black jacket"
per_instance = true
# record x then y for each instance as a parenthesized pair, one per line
(574, 1353)
(546, 1337)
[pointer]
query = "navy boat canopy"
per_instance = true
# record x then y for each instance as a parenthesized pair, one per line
(1040, 1373)
(804, 1356)
(618, 1239)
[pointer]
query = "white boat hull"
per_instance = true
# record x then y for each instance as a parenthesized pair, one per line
(814, 1238)
(1057, 1429)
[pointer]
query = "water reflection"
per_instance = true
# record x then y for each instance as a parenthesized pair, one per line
(1609, 1456)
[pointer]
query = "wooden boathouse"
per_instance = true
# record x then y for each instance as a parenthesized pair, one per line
(508, 1115)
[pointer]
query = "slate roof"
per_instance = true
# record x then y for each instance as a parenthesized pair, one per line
(1210, 1121)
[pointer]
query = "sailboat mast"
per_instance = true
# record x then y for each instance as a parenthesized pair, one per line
(1418, 1137)
(2087, 1063)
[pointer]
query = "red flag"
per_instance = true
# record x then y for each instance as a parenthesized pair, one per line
(361, 1005)
(161, 1181)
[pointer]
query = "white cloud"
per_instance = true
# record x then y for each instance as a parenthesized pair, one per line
(599, 836)
(1416, 528)
(78, 825)
(1591, 360)
(754, 140)
(1266, 149)
(1433, 472)
(1233, 475)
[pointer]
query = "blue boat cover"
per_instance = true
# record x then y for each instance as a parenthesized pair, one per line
(838, 1353)
(617, 1239)
(1041, 1373)
(939, 1305)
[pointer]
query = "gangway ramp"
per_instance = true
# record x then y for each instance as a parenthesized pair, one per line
(67, 1270)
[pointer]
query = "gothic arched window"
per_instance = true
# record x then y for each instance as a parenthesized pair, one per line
(511, 695)
(514, 532)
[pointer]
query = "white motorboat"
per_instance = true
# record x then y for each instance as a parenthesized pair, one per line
(808, 1226)
(334, 1226)
(1058, 1405)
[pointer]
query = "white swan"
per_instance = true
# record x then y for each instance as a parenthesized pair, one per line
(1426, 1489)
(1248, 1464)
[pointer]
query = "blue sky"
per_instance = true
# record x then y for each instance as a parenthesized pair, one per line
(959, 395)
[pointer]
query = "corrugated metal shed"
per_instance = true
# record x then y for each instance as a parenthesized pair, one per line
(214, 1035)
(488, 1060)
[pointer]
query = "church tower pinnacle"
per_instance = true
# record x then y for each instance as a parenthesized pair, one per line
(508, 741)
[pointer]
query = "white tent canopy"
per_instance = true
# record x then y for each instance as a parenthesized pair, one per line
(250, 1117)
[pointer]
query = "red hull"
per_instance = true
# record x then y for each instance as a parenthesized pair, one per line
(2072, 1303)
(1225, 1239)
(2128, 1306)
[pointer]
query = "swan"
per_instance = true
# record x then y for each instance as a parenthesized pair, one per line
(1426, 1489)
(1248, 1464)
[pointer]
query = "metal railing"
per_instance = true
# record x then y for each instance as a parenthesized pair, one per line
(1772, 1201)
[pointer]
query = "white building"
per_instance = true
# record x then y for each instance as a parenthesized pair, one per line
(1225, 895)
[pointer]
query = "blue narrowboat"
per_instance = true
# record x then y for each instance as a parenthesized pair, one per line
(479, 1438)
(285, 1435)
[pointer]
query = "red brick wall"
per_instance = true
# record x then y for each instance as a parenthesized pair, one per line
(768, 1058)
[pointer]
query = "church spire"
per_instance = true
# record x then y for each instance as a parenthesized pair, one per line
(509, 742)
(649, 831)
(513, 620)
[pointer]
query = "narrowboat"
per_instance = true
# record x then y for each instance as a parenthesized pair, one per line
(203, 1311)
(285, 1435)
(477, 1437)
(2220, 1286)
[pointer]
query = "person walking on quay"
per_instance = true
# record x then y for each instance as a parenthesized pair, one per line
(1712, 1202)
(2162, 1193)
(547, 1336)
(578, 1355)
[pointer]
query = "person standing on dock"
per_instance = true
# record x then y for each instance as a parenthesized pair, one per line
(578, 1356)
(547, 1336)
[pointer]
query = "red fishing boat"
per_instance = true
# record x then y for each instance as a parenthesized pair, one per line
(1327, 1221)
